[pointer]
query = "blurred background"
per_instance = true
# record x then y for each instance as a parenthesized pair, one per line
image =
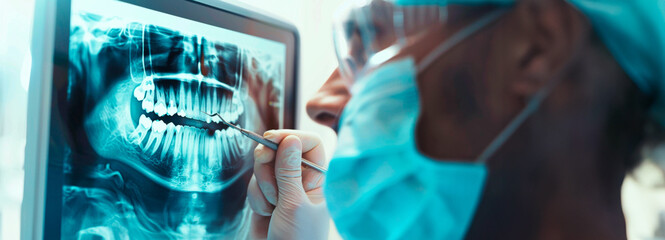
(643, 191)
(15, 61)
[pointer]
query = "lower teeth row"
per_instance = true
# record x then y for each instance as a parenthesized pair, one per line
(193, 151)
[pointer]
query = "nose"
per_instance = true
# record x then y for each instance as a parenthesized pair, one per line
(327, 104)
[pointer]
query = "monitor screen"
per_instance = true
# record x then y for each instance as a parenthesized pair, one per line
(140, 159)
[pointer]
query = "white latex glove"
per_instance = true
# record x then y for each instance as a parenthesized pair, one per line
(287, 197)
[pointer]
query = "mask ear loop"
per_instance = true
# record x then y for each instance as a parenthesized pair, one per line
(459, 37)
(532, 106)
(463, 35)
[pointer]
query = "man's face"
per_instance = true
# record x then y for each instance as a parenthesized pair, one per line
(468, 94)
(328, 103)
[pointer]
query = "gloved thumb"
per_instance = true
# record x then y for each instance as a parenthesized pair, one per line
(288, 171)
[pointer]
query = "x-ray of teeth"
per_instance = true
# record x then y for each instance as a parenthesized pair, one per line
(143, 161)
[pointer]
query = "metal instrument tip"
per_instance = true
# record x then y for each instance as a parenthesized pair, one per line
(220, 118)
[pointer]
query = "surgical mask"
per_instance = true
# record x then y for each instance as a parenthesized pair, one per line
(379, 185)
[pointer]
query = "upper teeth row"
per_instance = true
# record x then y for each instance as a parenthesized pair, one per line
(187, 102)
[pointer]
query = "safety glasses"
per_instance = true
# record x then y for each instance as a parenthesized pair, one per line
(370, 33)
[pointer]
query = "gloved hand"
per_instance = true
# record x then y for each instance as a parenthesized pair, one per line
(287, 197)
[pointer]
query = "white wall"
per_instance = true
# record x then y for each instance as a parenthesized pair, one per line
(15, 33)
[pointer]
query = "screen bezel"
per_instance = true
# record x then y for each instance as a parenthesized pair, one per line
(214, 13)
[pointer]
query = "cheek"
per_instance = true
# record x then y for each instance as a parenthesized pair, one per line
(448, 88)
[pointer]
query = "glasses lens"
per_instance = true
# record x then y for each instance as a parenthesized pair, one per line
(362, 29)
(369, 33)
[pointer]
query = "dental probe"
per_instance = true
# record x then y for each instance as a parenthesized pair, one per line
(258, 138)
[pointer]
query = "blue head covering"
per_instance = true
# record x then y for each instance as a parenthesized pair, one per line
(633, 31)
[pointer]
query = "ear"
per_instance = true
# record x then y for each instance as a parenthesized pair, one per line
(551, 30)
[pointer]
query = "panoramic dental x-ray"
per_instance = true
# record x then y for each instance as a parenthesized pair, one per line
(141, 159)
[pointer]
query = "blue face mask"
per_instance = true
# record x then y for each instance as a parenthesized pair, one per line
(379, 186)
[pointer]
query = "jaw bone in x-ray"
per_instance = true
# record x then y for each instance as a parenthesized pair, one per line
(163, 169)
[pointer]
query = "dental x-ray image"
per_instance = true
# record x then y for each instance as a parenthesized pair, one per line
(140, 159)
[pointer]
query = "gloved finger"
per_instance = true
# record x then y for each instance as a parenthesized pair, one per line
(257, 200)
(313, 151)
(259, 226)
(264, 171)
(288, 171)
(310, 141)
